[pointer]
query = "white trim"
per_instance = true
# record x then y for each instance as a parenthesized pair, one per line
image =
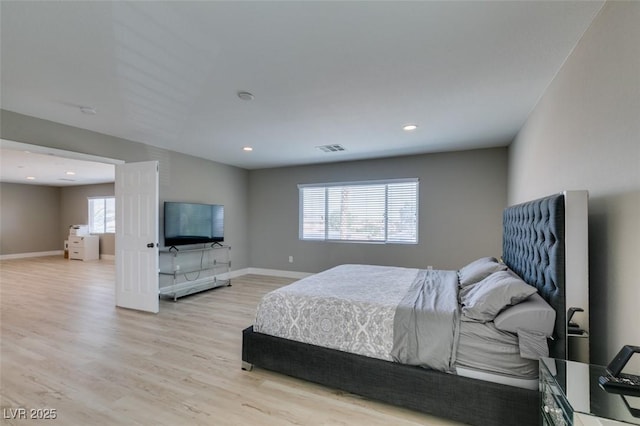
(358, 182)
(278, 273)
(34, 254)
(263, 271)
(231, 274)
(40, 149)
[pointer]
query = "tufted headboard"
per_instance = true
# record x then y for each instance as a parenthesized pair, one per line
(533, 246)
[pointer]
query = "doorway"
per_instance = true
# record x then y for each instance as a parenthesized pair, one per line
(135, 189)
(46, 192)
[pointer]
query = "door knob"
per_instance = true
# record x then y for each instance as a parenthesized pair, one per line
(150, 245)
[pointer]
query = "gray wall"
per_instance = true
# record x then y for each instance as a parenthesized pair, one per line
(36, 218)
(182, 177)
(462, 195)
(29, 219)
(197, 180)
(585, 134)
(74, 210)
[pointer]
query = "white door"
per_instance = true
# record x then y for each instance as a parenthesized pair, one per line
(137, 236)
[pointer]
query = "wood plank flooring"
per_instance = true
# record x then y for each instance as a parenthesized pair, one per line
(64, 346)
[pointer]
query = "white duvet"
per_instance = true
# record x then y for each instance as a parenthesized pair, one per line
(349, 308)
(353, 308)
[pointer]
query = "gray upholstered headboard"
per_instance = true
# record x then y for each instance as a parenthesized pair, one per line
(533, 246)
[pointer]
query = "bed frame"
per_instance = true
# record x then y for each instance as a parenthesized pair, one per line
(534, 247)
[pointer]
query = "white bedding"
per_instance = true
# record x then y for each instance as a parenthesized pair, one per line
(331, 309)
(352, 308)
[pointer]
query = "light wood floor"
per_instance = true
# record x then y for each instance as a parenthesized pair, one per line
(65, 346)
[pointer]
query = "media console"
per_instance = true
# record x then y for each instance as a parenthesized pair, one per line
(187, 271)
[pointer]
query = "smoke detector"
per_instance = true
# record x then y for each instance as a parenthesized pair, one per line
(246, 96)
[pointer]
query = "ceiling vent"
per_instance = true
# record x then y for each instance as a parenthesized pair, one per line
(330, 148)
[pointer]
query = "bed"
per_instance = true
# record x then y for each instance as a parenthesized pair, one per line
(534, 248)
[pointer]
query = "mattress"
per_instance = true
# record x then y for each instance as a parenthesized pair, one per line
(352, 308)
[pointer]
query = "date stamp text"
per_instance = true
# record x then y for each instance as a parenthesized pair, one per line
(22, 413)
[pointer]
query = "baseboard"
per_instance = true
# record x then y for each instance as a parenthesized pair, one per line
(34, 254)
(230, 275)
(261, 271)
(278, 273)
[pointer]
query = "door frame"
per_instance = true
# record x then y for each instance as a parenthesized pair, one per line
(40, 149)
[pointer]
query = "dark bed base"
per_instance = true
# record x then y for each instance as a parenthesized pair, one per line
(533, 247)
(457, 398)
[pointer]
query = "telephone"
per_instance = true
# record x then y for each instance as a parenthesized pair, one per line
(617, 382)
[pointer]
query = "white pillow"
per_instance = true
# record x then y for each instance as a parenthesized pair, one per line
(533, 315)
(478, 270)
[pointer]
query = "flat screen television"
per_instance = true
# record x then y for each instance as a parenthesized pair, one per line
(192, 223)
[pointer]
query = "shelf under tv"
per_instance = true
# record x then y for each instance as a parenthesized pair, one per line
(184, 270)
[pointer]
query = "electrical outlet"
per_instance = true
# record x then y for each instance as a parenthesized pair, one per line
(290, 259)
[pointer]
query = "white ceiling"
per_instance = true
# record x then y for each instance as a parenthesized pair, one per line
(33, 165)
(351, 73)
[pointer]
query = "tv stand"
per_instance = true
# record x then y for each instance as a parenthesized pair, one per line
(214, 244)
(192, 270)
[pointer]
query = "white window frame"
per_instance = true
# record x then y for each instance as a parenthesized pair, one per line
(324, 234)
(103, 228)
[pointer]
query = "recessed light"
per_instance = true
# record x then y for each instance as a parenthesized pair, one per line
(70, 173)
(31, 178)
(247, 148)
(409, 127)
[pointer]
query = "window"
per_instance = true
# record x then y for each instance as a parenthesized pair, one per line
(374, 211)
(102, 215)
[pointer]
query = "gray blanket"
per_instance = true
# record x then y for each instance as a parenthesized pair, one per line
(426, 322)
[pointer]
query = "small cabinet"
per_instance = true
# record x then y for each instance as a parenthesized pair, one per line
(570, 395)
(84, 247)
(186, 271)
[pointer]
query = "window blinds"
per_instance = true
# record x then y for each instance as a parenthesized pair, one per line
(374, 211)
